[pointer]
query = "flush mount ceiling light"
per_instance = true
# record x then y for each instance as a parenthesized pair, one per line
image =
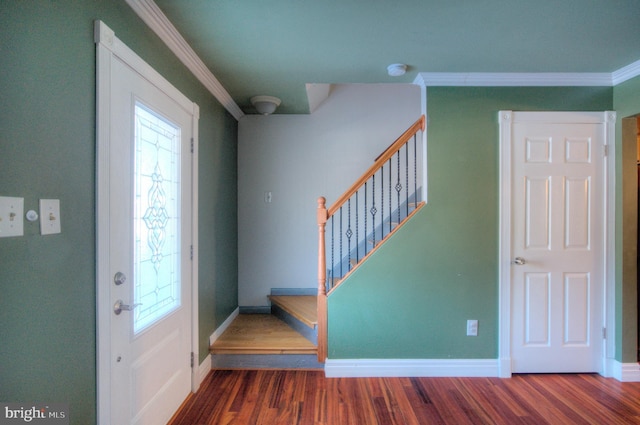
(397, 69)
(265, 105)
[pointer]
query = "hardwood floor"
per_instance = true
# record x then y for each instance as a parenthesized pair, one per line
(307, 397)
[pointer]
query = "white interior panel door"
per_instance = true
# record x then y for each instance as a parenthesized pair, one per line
(145, 241)
(557, 245)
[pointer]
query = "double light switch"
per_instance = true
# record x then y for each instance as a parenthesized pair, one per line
(12, 216)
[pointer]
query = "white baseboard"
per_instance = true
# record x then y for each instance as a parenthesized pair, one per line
(366, 368)
(623, 372)
(223, 327)
(630, 372)
(361, 368)
(204, 368)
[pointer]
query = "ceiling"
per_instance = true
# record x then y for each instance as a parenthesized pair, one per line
(276, 47)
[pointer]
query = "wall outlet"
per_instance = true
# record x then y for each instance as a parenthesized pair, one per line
(472, 328)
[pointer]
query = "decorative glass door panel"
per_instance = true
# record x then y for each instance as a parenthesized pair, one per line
(156, 262)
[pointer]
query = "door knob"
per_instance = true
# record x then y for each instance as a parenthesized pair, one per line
(118, 307)
(519, 261)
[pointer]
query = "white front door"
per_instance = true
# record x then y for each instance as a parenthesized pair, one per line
(557, 246)
(145, 274)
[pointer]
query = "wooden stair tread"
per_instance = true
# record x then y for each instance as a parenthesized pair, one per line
(261, 334)
(302, 307)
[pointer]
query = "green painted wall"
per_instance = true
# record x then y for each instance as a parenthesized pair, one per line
(414, 295)
(627, 104)
(47, 150)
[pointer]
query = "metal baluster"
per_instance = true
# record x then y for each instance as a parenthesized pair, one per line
(398, 186)
(390, 199)
(357, 237)
(349, 234)
(415, 170)
(382, 201)
(333, 267)
(373, 208)
(365, 218)
(341, 257)
(406, 170)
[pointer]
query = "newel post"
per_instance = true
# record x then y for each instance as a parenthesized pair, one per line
(322, 281)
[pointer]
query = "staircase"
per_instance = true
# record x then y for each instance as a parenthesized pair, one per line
(294, 335)
(366, 214)
(284, 339)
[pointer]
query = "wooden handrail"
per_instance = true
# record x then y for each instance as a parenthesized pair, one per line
(388, 153)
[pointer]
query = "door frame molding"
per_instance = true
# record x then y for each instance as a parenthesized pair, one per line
(109, 46)
(505, 120)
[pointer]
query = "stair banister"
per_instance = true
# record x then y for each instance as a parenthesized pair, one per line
(323, 215)
(388, 153)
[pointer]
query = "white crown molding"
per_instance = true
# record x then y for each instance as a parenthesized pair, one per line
(626, 73)
(528, 79)
(512, 79)
(151, 14)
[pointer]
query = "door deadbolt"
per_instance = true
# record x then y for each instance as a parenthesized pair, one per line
(119, 278)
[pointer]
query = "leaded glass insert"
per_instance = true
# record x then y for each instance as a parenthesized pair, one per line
(156, 265)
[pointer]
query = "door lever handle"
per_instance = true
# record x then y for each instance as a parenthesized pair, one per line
(118, 307)
(519, 261)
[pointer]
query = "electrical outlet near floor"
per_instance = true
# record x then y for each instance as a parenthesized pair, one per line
(472, 328)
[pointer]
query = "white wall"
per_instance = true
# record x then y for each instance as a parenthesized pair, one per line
(299, 158)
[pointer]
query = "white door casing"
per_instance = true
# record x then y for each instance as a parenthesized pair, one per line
(554, 215)
(145, 368)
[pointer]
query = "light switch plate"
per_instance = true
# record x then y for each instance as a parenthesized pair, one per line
(49, 216)
(472, 327)
(11, 216)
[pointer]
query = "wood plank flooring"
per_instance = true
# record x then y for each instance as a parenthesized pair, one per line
(302, 307)
(307, 397)
(261, 334)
